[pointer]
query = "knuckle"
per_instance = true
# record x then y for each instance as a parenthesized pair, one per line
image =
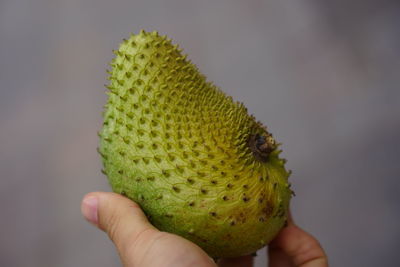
(143, 242)
(308, 252)
(112, 225)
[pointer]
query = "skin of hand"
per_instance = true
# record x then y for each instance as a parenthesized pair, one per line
(141, 244)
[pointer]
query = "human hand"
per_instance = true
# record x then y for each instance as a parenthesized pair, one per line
(292, 247)
(141, 244)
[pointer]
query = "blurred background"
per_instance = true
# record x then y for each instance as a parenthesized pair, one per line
(322, 75)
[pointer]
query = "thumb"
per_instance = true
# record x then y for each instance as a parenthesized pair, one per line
(121, 218)
(295, 246)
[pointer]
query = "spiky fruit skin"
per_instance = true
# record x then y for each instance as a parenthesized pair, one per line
(178, 146)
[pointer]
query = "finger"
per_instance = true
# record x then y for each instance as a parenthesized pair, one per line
(277, 256)
(295, 247)
(244, 261)
(137, 241)
(119, 217)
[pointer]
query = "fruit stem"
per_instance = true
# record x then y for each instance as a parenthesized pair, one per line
(262, 145)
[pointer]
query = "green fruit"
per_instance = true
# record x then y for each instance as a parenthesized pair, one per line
(195, 161)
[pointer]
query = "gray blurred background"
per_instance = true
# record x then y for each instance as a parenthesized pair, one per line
(323, 75)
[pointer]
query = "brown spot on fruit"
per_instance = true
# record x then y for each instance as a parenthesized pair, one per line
(268, 210)
(165, 173)
(176, 189)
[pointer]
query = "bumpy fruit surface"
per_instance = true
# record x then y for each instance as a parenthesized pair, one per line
(195, 161)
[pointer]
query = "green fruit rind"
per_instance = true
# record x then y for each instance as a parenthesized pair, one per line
(179, 147)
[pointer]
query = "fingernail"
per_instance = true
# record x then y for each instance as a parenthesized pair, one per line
(89, 209)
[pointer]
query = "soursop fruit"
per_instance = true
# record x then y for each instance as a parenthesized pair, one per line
(197, 163)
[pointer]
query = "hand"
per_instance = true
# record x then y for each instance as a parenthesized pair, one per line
(292, 247)
(141, 244)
